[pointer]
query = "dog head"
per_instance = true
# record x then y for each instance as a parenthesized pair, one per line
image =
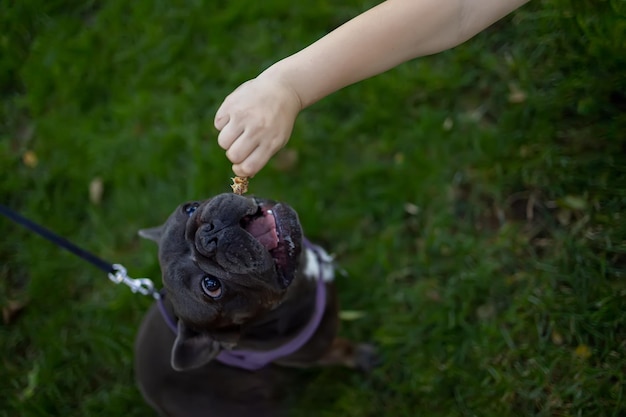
(225, 261)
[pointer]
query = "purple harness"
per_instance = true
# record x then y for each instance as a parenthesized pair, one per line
(252, 360)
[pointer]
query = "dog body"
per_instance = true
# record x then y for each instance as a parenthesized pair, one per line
(239, 281)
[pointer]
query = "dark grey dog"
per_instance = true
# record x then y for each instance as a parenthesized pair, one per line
(244, 296)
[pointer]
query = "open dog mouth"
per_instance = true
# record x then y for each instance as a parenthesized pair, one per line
(276, 227)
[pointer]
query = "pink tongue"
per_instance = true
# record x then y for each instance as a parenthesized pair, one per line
(264, 230)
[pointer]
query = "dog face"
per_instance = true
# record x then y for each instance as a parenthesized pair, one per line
(224, 261)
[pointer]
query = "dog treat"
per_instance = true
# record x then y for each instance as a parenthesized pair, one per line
(239, 185)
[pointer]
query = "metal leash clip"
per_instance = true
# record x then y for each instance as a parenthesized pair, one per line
(143, 286)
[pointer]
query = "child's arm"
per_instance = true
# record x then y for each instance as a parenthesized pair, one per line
(256, 119)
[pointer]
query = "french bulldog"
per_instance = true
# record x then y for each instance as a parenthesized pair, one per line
(244, 297)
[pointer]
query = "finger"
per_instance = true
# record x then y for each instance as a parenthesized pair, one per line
(253, 163)
(229, 135)
(221, 118)
(241, 148)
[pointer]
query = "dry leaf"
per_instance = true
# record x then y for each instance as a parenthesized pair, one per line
(557, 338)
(96, 189)
(411, 209)
(516, 95)
(12, 309)
(486, 312)
(573, 202)
(29, 158)
(583, 352)
(349, 315)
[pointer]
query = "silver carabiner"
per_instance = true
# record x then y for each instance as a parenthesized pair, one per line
(143, 286)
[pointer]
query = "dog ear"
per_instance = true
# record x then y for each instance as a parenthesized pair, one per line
(153, 233)
(191, 349)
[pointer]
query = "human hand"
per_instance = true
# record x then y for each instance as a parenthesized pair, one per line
(255, 121)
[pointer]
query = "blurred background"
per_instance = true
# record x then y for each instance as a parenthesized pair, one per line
(474, 200)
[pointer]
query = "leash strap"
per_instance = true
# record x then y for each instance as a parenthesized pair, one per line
(117, 273)
(56, 239)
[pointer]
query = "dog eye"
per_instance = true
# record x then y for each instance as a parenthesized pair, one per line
(190, 208)
(212, 287)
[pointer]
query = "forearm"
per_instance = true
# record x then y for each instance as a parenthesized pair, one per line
(383, 37)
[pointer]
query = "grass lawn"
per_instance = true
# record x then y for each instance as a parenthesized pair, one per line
(475, 200)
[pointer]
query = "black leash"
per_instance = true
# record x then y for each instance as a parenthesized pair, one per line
(117, 273)
(56, 239)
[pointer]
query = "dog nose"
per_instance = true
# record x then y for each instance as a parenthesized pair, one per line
(232, 248)
(218, 217)
(207, 237)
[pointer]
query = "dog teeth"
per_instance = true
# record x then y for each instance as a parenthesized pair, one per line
(271, 213)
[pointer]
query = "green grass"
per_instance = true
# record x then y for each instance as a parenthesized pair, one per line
(484, 239)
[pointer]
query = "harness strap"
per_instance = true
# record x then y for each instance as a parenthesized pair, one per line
(253, 360)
